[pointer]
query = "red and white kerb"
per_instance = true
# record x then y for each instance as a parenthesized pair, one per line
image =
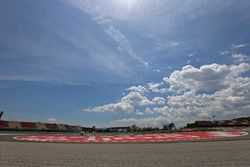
(153, 137)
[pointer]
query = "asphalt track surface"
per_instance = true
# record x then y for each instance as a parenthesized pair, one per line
(148, 137)
(229, 152)
(193, 154)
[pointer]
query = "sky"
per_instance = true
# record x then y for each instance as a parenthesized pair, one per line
(123, 62)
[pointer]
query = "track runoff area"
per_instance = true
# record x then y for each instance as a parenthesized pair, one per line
(153, 137)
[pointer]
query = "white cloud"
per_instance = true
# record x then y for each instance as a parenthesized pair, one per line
(128, 104)
(156, 87)
(139, 113)
(52, 120)
(143, 122)
(162, 111)
(166, 45)
(99, 16)
(231, 96)
(233, 100)
(148, 111)
(240, 58)
(113, 107)
(136, 99)
(221, 53)
(225, 92)
(191, 54)
(207, 77)
(235, 46)
(123, 43)
(157, 70)
(139, 88)
(159, 100)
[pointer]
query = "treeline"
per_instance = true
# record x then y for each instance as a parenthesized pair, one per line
(132, 128)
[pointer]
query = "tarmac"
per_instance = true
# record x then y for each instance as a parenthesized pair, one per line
(230, 152)
(192, 154)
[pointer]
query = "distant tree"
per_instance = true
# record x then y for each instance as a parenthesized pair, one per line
(135, 128)
(155, 129)
(1, 114)
(108, 130)
(171, 126)
(149, 129)
(93, 128)
(165, 127)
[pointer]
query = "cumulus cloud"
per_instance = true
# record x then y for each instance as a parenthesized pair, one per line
(207, 77)
(143, 122)
(231, 95)
(189, 94)
(156, 87)
(148, 111)
(113, 107)
(139, 113)
(150, 87)
(138, 88)
(128, 103)
(232, 100)
(136, 99)
(158, 100)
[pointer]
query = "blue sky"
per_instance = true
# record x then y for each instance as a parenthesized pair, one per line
(120, 62)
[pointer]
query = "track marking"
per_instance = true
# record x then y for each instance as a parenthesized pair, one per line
(156, 137)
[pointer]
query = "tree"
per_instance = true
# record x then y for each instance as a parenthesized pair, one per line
(93, 128)
(1, 114)
(134, 128)
(171, 126)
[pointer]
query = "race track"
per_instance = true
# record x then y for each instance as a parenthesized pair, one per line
(149, 137)
(192, 154)
(220, 152)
